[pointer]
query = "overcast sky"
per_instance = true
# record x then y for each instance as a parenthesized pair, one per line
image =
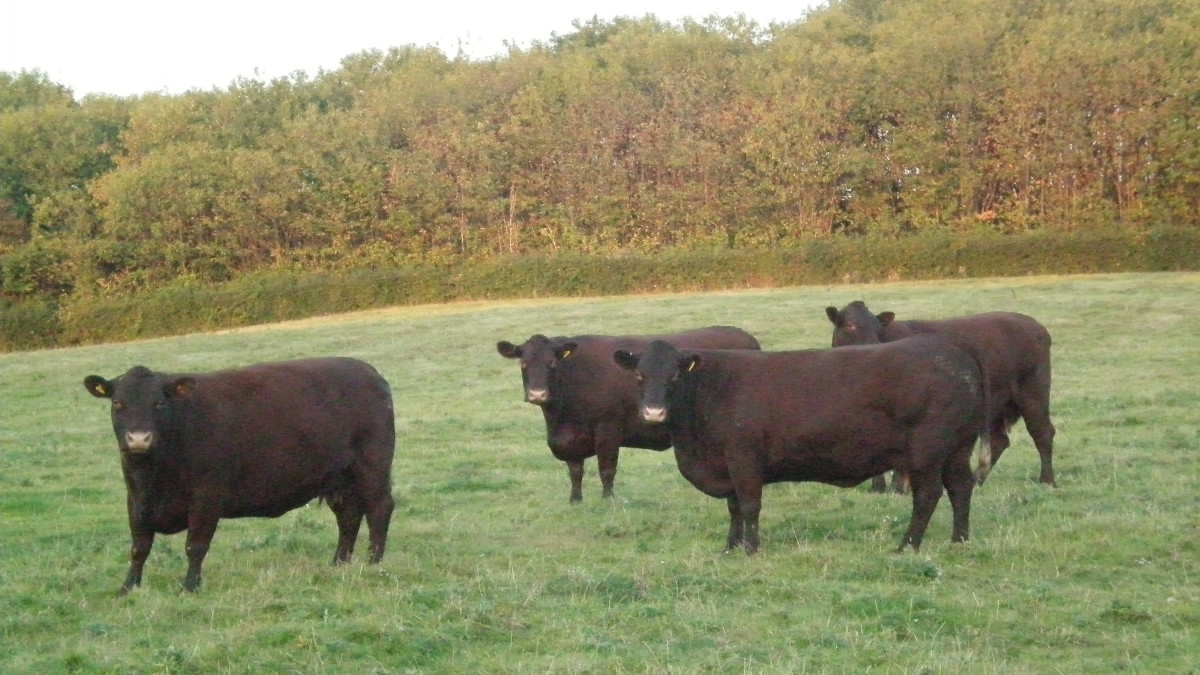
(127, 47)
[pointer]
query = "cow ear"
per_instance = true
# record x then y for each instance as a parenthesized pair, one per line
(180, 386)
(98, 386)
(834, 315)
(566, 349)
(690, 363)
(508, 350)
(885, 318)
(626, 359)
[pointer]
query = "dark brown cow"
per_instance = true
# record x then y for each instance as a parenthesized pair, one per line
(589, 404)
(1015, 350)
(256, 441)
(741, 419)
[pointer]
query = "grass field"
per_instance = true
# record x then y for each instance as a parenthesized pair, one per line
(489, 569)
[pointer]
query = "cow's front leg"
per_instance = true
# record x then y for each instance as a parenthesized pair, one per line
(607, 445)
(202, 525)
(143, 540)
(575, 471)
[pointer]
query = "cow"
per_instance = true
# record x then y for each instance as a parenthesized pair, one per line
(256, 441)
(590, 405)
(739, 420)
(1015, 349)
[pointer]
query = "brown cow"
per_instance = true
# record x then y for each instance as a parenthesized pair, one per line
(1015, 349)
(256, 441)
(589, 405)
(742, 419)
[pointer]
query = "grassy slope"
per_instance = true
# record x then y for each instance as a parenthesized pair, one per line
(490, 570)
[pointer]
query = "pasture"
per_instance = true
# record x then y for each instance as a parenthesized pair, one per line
(489, 569)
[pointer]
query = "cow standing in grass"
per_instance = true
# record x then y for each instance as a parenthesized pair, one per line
(256, 441)
(589, 404)
(1015, 350)
(740, 419)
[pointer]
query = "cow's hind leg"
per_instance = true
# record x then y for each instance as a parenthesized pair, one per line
(997, 441)
(748, 493)
(348, 510)
(736, 524)
(1034, 401)
(926, 491)
(379, 517)
(960, 483)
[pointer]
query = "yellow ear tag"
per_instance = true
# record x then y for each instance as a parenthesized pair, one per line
(691, 366)
(100, 388)
(567, 353)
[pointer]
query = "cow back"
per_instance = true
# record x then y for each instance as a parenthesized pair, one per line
(838, 416)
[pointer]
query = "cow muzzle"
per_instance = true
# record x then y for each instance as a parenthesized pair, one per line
(654, 414)
(537, 396)
(138, 442)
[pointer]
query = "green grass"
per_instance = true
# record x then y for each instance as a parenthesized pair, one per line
(490, 570)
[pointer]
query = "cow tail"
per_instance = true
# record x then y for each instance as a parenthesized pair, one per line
(983, 449)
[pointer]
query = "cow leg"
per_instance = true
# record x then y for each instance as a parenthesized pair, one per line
(1034, 402)
(899, 482)
(736, 523)
(749, 497)
(607, 445)
(379, 517)
(959, 483)
(879, 483)
(349, 513)
(143, 540)
(998, 442)
(202, 525)
(575, 471)
(926, 491)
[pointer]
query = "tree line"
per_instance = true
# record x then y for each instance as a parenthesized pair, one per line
(882, 117)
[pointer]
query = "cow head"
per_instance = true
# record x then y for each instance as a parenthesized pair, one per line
(856, 325)
(658, 370)
(539, 357)
(144, 406)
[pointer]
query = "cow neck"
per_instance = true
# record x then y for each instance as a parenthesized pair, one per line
(684, 419)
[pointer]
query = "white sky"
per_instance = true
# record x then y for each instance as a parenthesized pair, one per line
(128, 47)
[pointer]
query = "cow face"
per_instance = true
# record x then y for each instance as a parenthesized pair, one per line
(856, 325)
(143, 406)
(539, 357)
(658, 370)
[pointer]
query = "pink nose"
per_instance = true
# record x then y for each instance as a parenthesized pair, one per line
(537, 396)
(138, 441)
(654, 415)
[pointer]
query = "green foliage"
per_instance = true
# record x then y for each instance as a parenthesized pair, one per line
(31, 324)
(490, 570)
(38, 270)
(193, 303)
(629, 137)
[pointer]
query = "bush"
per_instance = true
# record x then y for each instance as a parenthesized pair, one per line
(193, 304)
(28, 325)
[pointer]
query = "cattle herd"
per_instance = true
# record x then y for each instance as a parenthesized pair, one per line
(910, 397)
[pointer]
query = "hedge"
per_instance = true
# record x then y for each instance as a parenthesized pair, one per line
(267, 297)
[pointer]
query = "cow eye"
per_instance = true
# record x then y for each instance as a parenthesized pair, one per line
(640, 377)
(118, 406)
(524, 366)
